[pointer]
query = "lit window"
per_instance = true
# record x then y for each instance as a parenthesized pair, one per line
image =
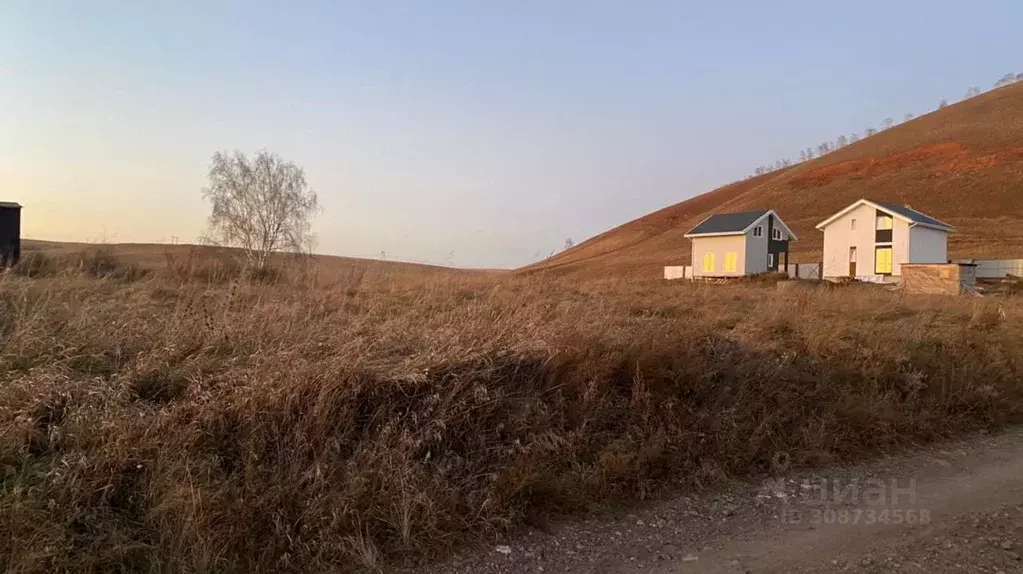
(884, 222)
(731, 262)
(708, 262)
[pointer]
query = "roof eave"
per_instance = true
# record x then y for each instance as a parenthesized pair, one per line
(718, 234)
(945, 228)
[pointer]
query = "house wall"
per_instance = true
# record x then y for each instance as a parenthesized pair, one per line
(719, 246)
(839, 237)
(778, 247)
(756, 251)
(900, 246)
(928, 245)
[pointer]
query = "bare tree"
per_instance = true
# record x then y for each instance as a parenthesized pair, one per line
(786, 162)
(908, 118)
(1006, 80)
(888, 123)
(569, 244)
(261, 204)
(943, 104)
(802, 155)
(842, 141)
(1019, 77)
(810, 154)
(869, 132)
(974, 91)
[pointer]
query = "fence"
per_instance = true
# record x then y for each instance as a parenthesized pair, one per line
(986, 269)
(678, 272)
(802, 271)
(995, 268)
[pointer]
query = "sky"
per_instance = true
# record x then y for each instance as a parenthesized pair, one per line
(474, 133)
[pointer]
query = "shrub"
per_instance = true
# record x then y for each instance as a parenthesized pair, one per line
(35, 264)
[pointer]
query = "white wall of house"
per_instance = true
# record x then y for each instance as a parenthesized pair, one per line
(900, 246)
(928, 245)
(841, 234)
(756, 250)
(909, 244)
(720, 246)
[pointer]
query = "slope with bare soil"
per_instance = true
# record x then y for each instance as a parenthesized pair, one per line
(962, 164)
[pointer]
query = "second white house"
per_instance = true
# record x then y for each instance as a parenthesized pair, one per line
(871, 240)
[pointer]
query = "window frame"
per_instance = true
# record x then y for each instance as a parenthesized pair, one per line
(776, 234)
(732, 261)
(708, 262)
(758, 231)
(890, 260)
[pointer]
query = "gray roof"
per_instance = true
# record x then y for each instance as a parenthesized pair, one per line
(727, 223)
(911, 214)
(9, 204)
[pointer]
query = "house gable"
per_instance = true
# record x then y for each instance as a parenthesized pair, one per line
(900, 212)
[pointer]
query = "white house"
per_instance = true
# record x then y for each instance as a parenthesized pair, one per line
(872, 239)
(736, 244)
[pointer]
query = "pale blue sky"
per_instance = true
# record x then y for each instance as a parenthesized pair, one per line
(478, 133)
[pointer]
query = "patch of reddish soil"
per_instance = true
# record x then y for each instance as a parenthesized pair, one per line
(965, 164)
(947, 152)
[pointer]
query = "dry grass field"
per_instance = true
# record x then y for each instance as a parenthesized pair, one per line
(962, 164)
(177, 418)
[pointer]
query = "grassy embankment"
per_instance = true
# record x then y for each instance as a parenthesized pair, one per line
(179, 419)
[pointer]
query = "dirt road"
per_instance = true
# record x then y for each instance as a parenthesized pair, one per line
(949, 508)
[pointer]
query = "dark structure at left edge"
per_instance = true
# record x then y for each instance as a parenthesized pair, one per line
(10, 233)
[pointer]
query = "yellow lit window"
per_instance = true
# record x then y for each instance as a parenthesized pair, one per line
(883, 261)
(731, 262)
(708, 262)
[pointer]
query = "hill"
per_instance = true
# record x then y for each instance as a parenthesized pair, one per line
(153, 256)
(962, 164)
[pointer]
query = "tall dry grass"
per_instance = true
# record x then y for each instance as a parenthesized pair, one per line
(171, 423)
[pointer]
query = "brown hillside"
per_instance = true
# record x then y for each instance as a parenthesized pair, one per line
(155, 256)
(962, 164)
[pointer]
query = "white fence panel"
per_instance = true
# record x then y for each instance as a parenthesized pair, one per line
(995, 268)
(675, 272)
(804, 270)
(809, 270)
